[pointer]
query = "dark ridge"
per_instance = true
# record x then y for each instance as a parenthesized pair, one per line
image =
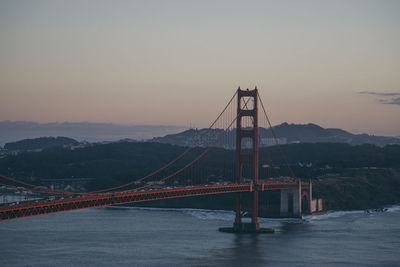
(40, 143)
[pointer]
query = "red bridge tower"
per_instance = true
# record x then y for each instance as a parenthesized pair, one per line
(247, 106)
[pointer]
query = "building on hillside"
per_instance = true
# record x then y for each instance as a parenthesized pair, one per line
(273, 141)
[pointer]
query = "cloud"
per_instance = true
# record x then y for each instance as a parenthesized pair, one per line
(390, 100)
(379, 94)
(393, 101)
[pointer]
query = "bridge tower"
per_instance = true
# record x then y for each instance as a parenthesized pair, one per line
(247, 106)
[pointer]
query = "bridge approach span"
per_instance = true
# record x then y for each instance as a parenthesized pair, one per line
(118, 198)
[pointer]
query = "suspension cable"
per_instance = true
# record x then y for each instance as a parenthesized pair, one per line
(132, 182)
(196, 159)
(276, 140)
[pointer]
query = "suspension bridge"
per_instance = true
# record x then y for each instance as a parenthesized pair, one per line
(241, 126)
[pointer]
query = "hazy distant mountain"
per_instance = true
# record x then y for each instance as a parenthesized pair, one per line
(286, 134)
(13, 131)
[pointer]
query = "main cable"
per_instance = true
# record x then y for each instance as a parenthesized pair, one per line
(196, 159)
(132, 182)
(276, 140)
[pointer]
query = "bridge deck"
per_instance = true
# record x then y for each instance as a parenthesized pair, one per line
(117, 198)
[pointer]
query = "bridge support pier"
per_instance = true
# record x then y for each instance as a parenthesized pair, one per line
(296, 202)
(246, 227)
(290, 204)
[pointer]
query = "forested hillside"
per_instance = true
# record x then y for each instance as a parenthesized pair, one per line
(338, 170)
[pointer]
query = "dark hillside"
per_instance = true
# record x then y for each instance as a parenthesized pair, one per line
(40, 143)
(345, 175)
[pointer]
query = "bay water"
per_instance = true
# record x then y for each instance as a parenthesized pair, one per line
(129, 236)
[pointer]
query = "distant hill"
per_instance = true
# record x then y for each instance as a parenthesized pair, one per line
(188, 137)
(312, 133)
(40, 143)
(286, 134)
(11, 131)
(95, 132)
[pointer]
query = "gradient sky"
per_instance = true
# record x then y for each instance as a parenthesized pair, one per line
(334, 63)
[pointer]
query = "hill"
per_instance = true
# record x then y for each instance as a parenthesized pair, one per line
(286, 134)
(349, 177)
(41, 143)
(11, 131)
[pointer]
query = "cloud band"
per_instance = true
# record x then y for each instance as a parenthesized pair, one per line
(391, 101)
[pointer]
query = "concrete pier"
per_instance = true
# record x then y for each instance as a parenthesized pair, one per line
(290, 203)
(296, 202)
(246, 228)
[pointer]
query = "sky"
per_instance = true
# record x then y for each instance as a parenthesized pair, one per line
(333, 63)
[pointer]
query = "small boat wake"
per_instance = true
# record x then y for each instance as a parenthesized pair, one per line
(337, 214)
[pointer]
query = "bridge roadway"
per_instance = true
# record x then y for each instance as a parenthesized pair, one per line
(117, 198)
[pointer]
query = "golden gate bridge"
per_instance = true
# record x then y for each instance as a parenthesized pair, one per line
(238, 126)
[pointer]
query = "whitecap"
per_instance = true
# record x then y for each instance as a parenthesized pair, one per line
(394, 208)
(329, 215)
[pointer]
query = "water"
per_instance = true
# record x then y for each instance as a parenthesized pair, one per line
(175, 237)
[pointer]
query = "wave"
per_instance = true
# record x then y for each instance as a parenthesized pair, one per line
(203, 214)
(337, 214)
(220, 215)
(207, 214)
(330, 215)
(225, 215)
(393, 208)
